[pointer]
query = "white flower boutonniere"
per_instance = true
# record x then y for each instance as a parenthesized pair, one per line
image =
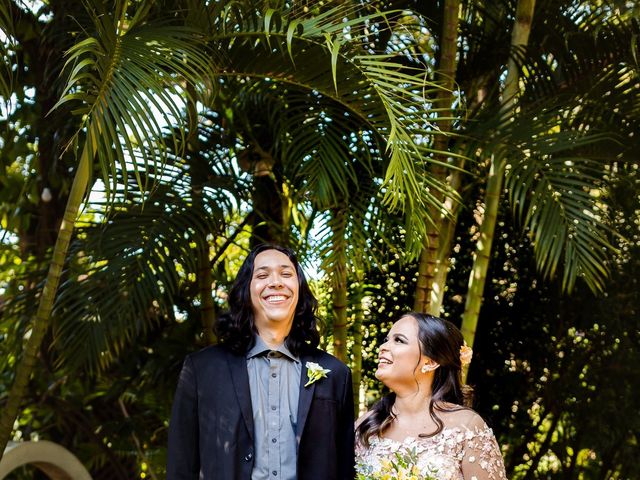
(315, 372)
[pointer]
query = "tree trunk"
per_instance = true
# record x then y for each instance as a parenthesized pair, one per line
(356, 352)
(268, 197)
(207, 306)
(446, 76)
(26, 364)
(483, 251)
(447, 231)
(199, 170)
(519, 38)
(339, 285)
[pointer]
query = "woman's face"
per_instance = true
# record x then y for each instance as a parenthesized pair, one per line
(399, 358)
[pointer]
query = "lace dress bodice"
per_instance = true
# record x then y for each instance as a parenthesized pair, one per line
(466, 452)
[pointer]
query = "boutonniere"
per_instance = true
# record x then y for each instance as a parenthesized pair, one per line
(315, 372)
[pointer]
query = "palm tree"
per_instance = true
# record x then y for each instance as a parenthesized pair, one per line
(6, 79)
(126, 80)
(113, 79)
(551, 150)
(431, 259)
(519, 40)
(554, 147)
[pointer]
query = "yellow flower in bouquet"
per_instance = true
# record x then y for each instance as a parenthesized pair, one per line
(402, 466)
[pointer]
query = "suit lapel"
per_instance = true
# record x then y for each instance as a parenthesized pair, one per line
(240, 380)
(305, 398)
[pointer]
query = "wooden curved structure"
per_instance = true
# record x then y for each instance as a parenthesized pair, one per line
(54, 460)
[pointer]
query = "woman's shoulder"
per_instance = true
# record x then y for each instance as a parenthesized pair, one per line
(462, 418)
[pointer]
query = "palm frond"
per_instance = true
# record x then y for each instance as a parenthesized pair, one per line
(125, 81)
(6, 70)
(570, 128)
(127, 269)
(555, 197)
(388, 93)
(124, 281)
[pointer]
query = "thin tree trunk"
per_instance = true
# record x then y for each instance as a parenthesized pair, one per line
(446, 75)
(199, 174)
(340, 313)
(339, 284)
(483, 251)
(447, 230)
(41, 322)
(426, 268)
(207, 306)
(356, 352)
(519, 38)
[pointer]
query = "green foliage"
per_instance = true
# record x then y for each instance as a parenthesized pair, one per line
(128, 68)
(568, 362)
(336, 102)
(572, 124)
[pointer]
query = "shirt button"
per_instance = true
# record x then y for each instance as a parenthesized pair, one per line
(273, 408)
(248, 457)
(274, 472)
(273, 440)
(274, 375)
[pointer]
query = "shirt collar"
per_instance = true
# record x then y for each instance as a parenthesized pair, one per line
(260, 347)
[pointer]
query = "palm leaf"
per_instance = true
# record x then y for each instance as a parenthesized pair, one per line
(554, 198)
(125, 81)
(127, 269)
(125, 282)
(382, 91)
(6, 56)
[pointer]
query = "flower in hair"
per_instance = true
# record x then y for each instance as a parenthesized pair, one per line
(466, 353)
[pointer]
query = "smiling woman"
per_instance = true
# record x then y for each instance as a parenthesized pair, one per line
(401, 360)
(425, 422)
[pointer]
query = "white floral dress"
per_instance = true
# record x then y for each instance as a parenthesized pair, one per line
(462, 452)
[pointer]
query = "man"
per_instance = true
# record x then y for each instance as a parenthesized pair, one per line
(266, 403)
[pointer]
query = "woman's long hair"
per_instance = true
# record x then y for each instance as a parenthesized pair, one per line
(440, 340)
(236, 327)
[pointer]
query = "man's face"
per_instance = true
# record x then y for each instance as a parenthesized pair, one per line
(274, 290)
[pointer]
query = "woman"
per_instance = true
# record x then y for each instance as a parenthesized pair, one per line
(422, 427)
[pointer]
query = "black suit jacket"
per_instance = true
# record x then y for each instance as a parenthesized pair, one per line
(211, 428)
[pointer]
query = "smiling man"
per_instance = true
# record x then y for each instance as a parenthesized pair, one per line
(265, 403)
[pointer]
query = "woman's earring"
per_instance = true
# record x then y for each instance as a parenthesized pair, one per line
(425, 368)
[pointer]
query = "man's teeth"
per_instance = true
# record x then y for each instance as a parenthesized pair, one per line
(276, 298)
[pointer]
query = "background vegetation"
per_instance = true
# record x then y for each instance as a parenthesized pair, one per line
(473, 159)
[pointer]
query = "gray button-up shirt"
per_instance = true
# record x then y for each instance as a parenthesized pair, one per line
(274, 382)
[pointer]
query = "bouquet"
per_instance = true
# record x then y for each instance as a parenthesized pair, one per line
(402, 466)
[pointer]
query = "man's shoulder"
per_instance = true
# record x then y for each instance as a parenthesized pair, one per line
(211, 353)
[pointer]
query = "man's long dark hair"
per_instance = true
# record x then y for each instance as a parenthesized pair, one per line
(236, 328)
(440, 340)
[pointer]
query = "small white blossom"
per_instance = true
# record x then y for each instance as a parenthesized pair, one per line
(315, 372)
